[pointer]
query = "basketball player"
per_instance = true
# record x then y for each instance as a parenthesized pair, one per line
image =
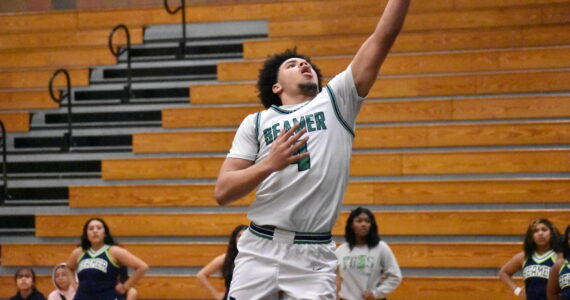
(297, 155)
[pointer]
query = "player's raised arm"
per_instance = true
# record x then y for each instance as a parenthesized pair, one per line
(367, 61)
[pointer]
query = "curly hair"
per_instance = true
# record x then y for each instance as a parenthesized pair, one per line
(268, 76)
(529, 246)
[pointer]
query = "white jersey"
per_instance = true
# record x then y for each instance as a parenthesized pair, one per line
(306, 196)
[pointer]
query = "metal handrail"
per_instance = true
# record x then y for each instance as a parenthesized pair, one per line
(182, 7)
(4, 194)
(128, 88)
(68, 137)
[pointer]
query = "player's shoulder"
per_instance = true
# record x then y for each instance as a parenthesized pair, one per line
(342, 77)
(250, 122)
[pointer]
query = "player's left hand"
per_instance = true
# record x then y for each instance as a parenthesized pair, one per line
(367, 295)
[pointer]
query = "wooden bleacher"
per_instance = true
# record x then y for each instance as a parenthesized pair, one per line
(26, 100)
(357, 193)
(539, 106)
(410, 255)
(438, 40)
(448, 19)
(420, 86)
(511, 64)
(377, 137)
(16, 121)
(39, 78)
(82, 57)
(431, 288)
(467, 222)
(377, 164)
(34, 40)
(477, 61)
(81, 20)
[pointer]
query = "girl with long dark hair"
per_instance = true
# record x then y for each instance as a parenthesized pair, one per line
(97, 263)
(223, 263)
(541, 244)
(367, 268)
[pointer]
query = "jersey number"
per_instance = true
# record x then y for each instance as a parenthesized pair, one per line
(303, 164)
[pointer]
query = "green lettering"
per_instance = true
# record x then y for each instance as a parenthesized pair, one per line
(276, 130)
(302, 121)
(267, 135)
(310, 122)
(286, 125)
(320, 118)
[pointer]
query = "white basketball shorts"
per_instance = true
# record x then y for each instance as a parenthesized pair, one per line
(280, 264)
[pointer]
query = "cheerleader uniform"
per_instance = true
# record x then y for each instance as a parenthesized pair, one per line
(536, 270)
(98, 276)
(564, 281)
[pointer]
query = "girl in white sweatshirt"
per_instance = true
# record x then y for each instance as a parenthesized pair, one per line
(367, 267)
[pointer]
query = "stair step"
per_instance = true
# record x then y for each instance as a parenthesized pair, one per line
(135, 116)
(17, 225)
(40, 167)
(207, 31)
(207, 51)
(78, 141)
(114, 94)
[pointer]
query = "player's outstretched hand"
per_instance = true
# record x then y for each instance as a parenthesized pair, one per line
(283, 150)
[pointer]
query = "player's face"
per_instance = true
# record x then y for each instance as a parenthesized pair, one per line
(61, 279)
(95, 232)
(361, 225)
(297, 74)
(541, 235)
(24, 280)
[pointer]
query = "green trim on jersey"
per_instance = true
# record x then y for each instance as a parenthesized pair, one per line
(565, 264)
(261, 235)
(550, 254)
(337, 111)
(111, 258)
(92, 253)
(296, 241)
(257, 121)
(285, 111)
(257, 126)
(312, 242)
